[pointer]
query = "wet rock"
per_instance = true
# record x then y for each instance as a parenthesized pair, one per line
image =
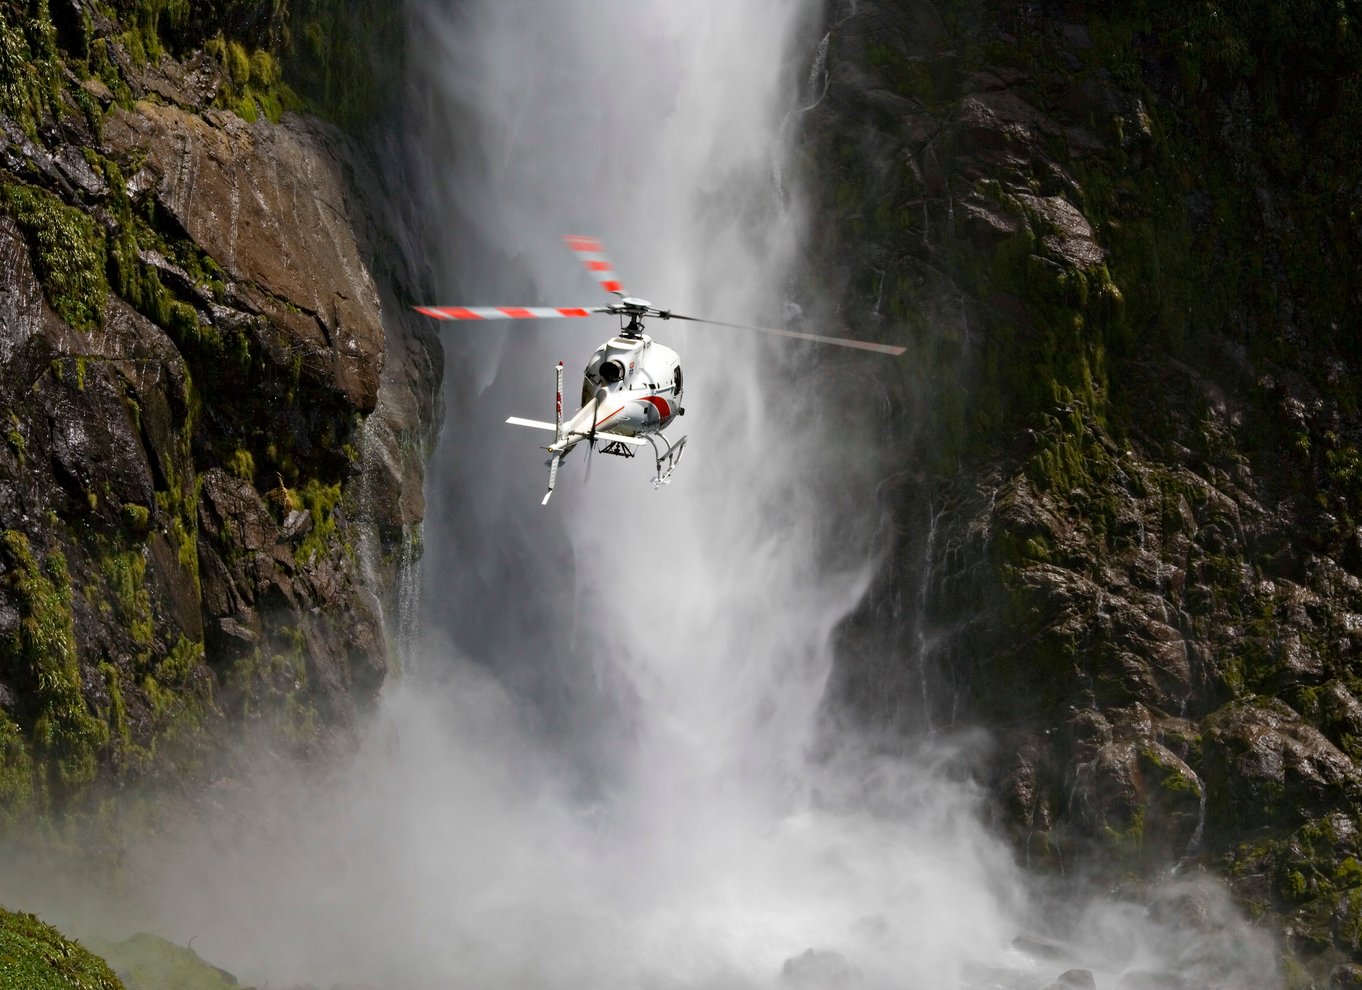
(988, 224)
(268, 203)
(976, 977)
(297, 523)
(1267, 762)
(818, 969)
(1146, 980)
(1074, 979)
(1346, 976)
(1039, 948)
(1065, 231)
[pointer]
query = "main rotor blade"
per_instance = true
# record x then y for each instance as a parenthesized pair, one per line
(592, 255)
(508, 312)
(863, 345)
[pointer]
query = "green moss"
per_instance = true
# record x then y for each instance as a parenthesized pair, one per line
(254, 82)
(1348, 874)
(67, 737)
(341, 56)
(68, 253)
(30, 67)
(125, 573)
(1347, 919)
(1295, 976)
(137, 517)
(181, 662)
(35, 956)
(242, 464)
(15, 439)
(16, 773)
(1125, 841)
(147, 962)
(320, 500)
(180, 702)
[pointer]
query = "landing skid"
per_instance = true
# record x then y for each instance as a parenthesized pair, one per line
(668, 460)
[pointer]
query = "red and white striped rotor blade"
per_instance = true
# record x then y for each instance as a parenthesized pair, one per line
(506, 312)
(592, 255)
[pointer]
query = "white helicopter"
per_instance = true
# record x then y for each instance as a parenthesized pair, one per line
(632, 386)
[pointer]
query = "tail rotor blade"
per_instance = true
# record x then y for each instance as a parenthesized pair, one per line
(592, 254)
(863, 345)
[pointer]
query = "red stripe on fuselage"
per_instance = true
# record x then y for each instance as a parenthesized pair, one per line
(664, 408)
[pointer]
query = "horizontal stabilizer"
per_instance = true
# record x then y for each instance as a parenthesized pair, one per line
(537, 424)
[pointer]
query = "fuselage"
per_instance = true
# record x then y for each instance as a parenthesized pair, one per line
(642, 383)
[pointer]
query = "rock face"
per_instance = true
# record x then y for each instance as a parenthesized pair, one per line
(1126, 538)
(213, 420)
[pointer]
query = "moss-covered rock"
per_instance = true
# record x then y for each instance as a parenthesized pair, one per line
(168, 308)
(35, 956)
(147, 962)
(1128, 437)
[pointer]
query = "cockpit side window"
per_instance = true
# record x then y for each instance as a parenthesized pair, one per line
(676, 382)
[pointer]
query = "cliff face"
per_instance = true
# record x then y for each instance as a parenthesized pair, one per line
(1122, 241)
(214, 420)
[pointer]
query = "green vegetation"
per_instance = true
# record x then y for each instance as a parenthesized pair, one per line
(146, 962)
(125, 572)
(320, 500)
(254, 81)
(16, 773)
(171, 692)
(68, 250)
(106, 680)
(35, 956)
(30, 66)
(344, 57)
(67, 737)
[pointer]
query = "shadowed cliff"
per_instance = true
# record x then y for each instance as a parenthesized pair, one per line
(215, 410)
(1123, 241)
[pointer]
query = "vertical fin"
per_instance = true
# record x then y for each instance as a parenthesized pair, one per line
(558, 409)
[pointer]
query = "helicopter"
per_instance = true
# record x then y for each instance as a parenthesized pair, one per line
(632, 385)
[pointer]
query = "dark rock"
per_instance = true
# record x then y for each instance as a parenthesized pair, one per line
(1039, 948)
(1070, 235)
(1074, 979)
(1345, 976)
(297, 523)
(820, 969)
(268, 202)
(1267, 762)
(1144, 980)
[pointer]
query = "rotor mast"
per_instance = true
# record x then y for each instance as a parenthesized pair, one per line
(634, 310)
